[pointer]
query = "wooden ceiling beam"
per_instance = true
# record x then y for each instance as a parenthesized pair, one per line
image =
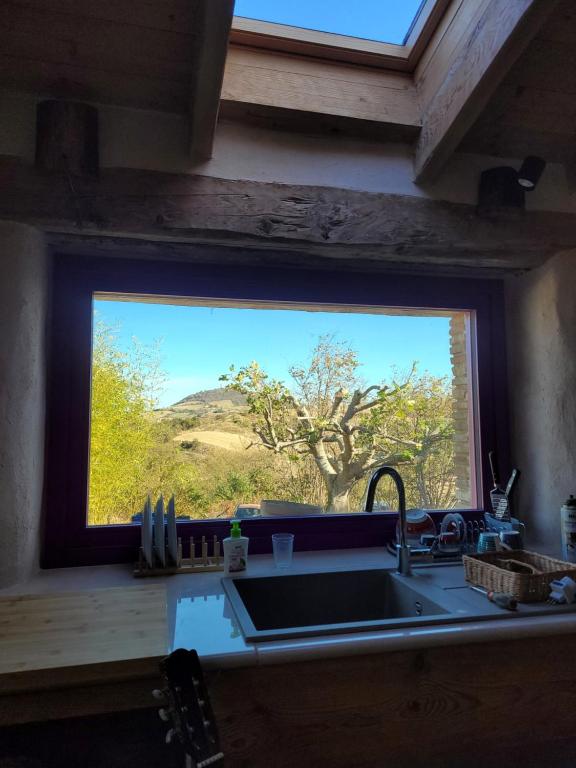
(303, 221)
(280, 83)
(213, 25)
(466, 64)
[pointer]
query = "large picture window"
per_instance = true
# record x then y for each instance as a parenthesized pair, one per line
(229, 386)
(223, 404)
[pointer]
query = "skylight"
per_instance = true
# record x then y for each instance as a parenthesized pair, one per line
(387, 21)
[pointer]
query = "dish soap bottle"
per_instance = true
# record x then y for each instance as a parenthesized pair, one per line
(568, 528)
(235, 550)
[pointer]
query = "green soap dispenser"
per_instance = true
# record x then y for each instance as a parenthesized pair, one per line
(235, 550)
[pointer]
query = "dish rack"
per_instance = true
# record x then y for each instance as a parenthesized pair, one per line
(486, 570)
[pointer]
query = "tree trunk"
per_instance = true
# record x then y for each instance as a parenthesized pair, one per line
(338, 498)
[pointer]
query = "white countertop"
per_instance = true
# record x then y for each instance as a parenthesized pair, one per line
(200, 616)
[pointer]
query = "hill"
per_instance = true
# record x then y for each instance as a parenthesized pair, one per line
(211, 396)
(207, 403)
(217, 418)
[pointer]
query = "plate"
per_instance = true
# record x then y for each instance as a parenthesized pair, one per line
(147, 532)
(453, 522)
(172, 532)
(159, 532)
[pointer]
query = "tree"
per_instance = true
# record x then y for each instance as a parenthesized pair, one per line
(130, 453)
(348, 429)
(426, 426)
(133, 453)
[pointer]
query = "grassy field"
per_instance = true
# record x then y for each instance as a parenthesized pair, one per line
(229, 441)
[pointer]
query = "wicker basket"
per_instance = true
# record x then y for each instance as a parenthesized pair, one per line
(483, 571)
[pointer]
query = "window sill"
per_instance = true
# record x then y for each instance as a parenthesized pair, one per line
(359, 530)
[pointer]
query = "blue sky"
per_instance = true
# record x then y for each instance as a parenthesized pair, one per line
(384, 20)
(198, 344)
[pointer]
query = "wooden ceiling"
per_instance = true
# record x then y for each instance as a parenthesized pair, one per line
(498, 77)
(162, 55)
(100, 50)
(533, 111)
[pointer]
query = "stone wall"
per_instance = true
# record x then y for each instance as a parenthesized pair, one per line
(23, 308)
(461, 408)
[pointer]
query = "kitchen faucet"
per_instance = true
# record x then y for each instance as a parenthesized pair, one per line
(404, 567)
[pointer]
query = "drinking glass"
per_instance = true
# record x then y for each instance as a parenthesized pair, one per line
(488, 542)
(282, 546)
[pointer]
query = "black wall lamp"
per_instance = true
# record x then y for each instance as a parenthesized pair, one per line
(505, 187)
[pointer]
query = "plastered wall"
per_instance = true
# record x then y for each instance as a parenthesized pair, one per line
(541, 319)
(23, 307)
(131, 138)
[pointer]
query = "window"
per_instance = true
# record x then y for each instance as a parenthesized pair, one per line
(442, 416)
(383, 33)
(227, 403)
(384, 20)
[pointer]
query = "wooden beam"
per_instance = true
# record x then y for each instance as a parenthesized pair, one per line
(67, 137)
(322, 45)
(320, 222)
(285, 83)
(484, 39)
(214, 21)
(431, 69)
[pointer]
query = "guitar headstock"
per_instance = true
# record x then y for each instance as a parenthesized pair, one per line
(188, 709)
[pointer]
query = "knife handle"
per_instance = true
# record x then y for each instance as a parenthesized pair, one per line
(493, 467)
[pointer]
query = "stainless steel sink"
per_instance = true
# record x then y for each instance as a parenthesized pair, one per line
(278, 607)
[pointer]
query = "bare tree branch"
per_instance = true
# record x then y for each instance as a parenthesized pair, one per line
(373, 388)
(278, 445)
(338, 400)
(356, 405)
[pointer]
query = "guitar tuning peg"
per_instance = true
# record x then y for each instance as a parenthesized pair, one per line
(164, 715)
(159, 695)
(170, 736)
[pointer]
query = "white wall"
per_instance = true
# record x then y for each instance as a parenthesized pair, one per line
(541, 332)
(23, 308)
(158, 141)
